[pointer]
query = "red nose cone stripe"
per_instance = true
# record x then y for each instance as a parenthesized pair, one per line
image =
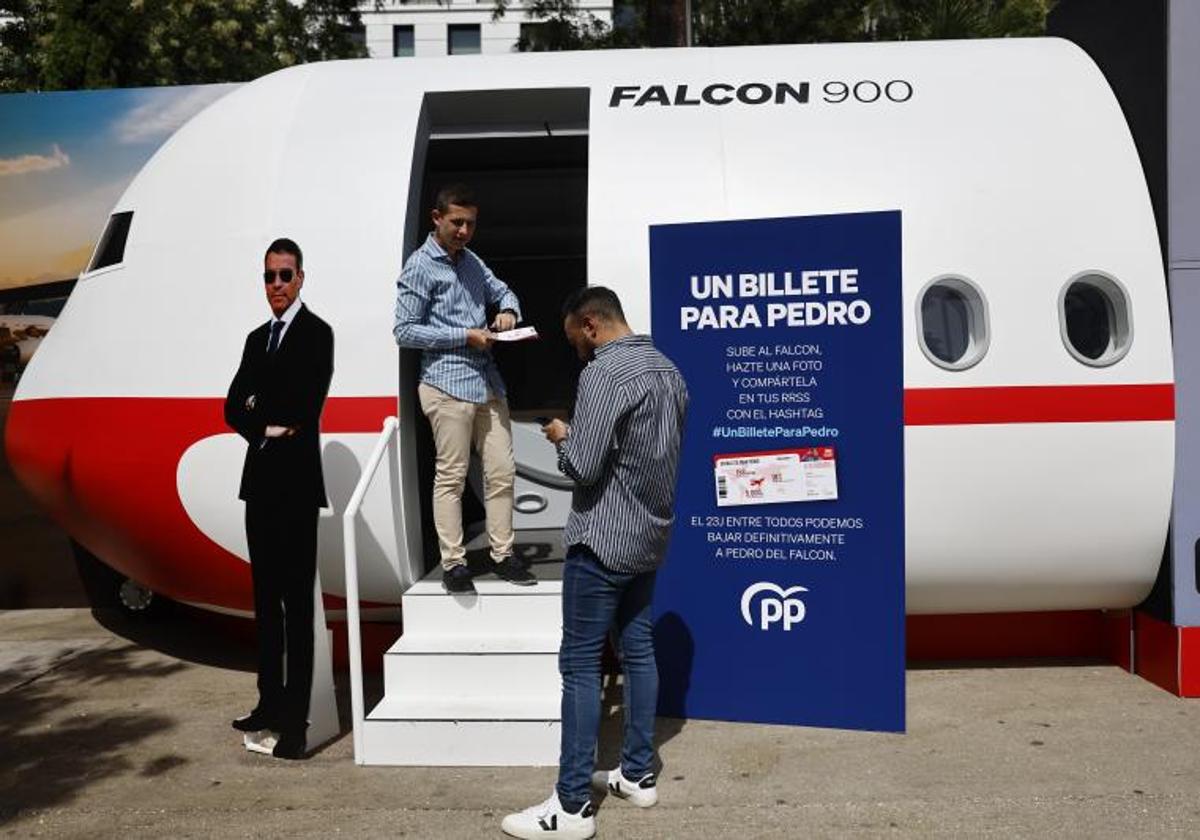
(1039, 404)
(105, 469)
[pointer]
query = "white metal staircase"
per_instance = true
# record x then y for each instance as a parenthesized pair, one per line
(473, 680)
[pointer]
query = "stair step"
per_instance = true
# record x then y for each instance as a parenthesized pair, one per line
(482, 615)
(438, 743)
(486, 585)
(483, 675)
(424, 707)
(419, 643)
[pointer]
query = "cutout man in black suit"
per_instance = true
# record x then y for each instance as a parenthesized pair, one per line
(275, 403)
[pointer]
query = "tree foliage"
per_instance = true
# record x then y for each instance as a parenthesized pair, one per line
(924, 19)
(71, 44)
(735, 22)
(560, 25)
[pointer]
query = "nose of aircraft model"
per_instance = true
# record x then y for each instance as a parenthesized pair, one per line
(105, 469)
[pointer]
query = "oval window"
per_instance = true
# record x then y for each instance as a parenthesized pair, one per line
(952, 323)
(1094, 318)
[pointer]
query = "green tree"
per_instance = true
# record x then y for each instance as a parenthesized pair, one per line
(925, 19)
(560, 25)
(734, 22)
(72, 44)
(737, 22)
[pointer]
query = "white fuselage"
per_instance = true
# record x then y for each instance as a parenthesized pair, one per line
(1033, 481)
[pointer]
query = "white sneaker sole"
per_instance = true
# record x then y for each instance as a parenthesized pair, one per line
(634, 796)
(532, 831)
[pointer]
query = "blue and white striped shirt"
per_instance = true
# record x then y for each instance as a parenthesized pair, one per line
(437, 300)
(623, 455)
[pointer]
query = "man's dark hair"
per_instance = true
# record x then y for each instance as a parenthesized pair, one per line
(597, 301)
(283, 245)
(459, 194)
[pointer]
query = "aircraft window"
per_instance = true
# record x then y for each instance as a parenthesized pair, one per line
(1094, 318)
(111, 249)
(952, 323)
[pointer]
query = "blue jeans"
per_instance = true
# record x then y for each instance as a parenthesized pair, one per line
(596, 600)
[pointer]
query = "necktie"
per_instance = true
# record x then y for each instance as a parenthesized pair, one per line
(276, 329)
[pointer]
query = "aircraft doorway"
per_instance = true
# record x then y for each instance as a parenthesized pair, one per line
(525, 154)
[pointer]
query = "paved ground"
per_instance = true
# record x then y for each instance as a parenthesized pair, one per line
(103, 736)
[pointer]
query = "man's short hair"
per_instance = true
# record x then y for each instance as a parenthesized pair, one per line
(597, 301)
(459, 194)
(283, 245)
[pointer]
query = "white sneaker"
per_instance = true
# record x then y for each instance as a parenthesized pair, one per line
(642, 793)
(263, 741)
(549, 820)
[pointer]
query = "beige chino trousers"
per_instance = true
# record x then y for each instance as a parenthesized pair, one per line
(456, 425)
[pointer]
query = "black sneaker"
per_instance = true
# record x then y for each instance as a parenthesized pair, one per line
(514, 571)
(290, 746)
(256, 721)
(457, 579)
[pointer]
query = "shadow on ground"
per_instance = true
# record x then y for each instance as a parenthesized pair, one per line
(612, 724)
(52, 752)
(187, 633)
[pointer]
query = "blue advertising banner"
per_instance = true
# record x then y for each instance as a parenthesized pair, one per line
(782, 598)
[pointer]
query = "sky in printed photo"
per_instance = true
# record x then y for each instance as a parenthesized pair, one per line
(65, 160)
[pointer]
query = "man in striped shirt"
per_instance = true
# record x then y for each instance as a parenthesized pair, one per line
(442, 297)
(622, 451)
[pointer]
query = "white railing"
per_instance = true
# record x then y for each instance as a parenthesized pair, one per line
(353, 630)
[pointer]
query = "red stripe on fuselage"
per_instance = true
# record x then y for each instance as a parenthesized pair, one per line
(105, 467)
(1038, 404)
(357, 414)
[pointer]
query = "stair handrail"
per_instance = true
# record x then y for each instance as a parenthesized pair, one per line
(350, 546)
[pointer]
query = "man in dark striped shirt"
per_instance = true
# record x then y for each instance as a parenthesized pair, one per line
(622, 451)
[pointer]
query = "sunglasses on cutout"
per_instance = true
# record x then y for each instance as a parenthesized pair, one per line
(285, 274)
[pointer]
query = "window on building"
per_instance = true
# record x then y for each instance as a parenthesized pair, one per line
(1094, 318)
(463, 39)
(952, 323)
(402, 41)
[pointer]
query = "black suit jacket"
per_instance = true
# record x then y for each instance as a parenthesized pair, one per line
(286, 388)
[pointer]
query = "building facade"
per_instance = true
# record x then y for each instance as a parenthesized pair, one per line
(397, 28)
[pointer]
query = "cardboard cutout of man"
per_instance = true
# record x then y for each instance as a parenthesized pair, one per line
(275, 403)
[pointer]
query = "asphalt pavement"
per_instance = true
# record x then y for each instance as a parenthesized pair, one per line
(123, 730)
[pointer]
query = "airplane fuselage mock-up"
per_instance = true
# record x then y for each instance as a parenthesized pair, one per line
(1037, 364)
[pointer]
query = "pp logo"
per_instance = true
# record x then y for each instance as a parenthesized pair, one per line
(777, 607)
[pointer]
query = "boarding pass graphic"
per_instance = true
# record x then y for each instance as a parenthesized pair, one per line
(783, 475)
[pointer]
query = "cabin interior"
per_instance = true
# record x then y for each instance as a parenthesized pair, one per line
(525, 153)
